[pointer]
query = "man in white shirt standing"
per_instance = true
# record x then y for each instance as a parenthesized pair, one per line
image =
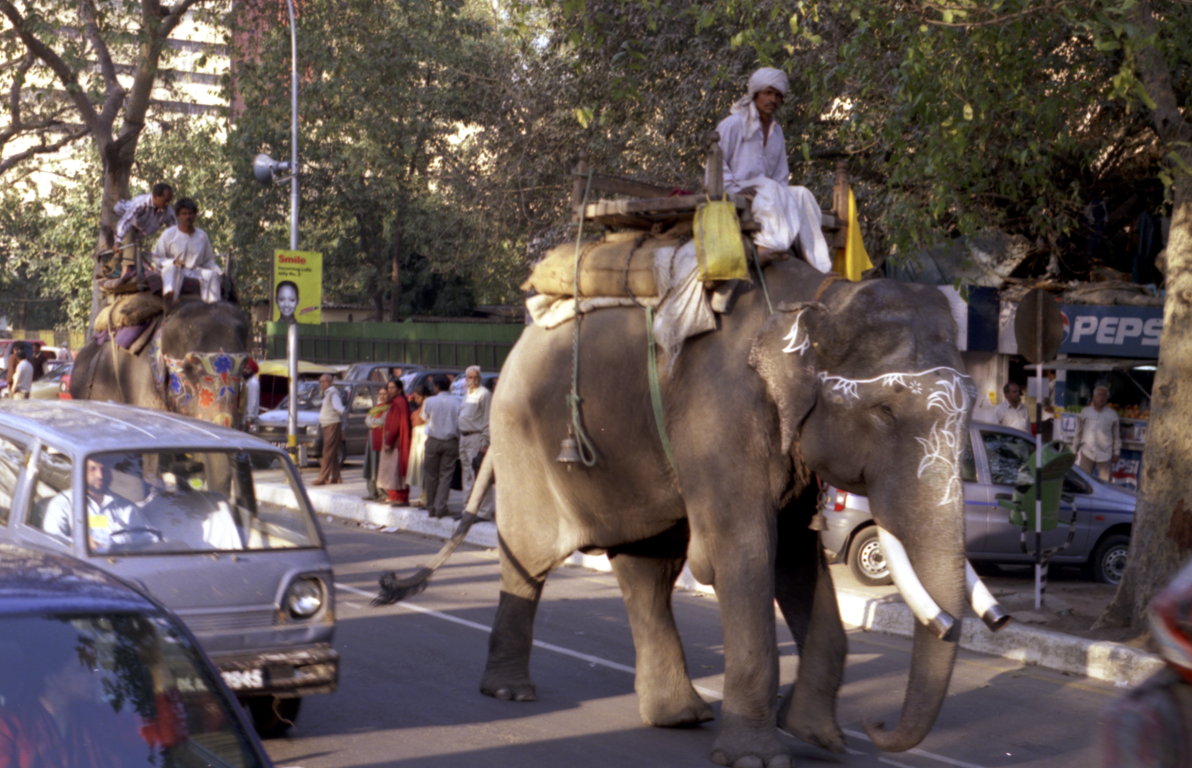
(330, 422)
(1011, 412)
(754, 152)
(473, 436)
(184, 250)
(441, 413)
(1098, 436)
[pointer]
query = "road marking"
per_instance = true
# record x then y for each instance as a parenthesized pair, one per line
(596, 660)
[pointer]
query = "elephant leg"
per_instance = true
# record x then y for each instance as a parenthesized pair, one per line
(804, 590)
(733, 545)
(527, 556)
(666, 697)
(507, 672)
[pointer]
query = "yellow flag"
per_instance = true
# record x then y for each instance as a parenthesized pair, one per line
(852, 260)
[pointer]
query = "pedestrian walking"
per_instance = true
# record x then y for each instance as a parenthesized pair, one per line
(441, 413)
(331, 423)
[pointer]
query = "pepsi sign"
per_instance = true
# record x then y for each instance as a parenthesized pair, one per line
(1111, 331)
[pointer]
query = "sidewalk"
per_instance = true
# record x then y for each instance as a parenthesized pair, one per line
(871, 609)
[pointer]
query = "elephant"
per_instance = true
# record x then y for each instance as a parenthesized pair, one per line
(191, 363)
(859, 383)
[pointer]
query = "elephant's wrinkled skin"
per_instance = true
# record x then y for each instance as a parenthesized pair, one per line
(193, 368)
(865, 384)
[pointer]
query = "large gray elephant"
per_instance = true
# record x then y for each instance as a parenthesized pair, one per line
(860, 383)
(190, 363)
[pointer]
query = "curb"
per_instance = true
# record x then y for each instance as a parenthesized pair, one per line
(1121, 665)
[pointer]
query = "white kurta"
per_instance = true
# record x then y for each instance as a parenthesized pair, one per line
(786, 213)
(180, 255)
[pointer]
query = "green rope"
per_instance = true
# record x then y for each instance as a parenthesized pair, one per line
(656, 394)
(587, 450)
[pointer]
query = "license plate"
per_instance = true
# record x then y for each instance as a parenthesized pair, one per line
(241, 679)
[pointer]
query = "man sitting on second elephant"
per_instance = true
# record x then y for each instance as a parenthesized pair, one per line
(184, 251)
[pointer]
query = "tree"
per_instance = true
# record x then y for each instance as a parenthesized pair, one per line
(390, 95)
(86, 67)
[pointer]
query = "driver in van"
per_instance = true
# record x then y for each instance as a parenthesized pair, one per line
(112, 520)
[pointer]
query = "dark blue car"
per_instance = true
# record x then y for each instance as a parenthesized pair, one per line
(94, 672)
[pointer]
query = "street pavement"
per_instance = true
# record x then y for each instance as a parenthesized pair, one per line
(874, 609)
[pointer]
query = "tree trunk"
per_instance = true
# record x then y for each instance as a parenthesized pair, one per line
(395, 272)
(1161, 539)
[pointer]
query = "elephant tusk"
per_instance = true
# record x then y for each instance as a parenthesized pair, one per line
(926, 610)
(984, 603)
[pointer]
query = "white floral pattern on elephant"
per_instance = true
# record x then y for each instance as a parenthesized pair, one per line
(952, 393)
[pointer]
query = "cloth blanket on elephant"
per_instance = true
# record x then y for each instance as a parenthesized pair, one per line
(681, 305)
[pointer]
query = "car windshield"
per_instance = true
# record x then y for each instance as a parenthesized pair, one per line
(112, 689)
(173, 501)
(309, 397)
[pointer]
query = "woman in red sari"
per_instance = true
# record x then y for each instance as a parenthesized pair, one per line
(395, 447)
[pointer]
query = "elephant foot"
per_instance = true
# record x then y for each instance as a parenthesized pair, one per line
(814, 724)
(751, 748)
(506, 689)
(680, 711)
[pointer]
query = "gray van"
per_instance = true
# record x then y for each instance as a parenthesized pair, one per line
(212, 522)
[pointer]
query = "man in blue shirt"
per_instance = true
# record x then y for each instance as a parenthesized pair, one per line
(441, 412)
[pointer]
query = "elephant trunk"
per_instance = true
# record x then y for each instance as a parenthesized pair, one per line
(928, 567)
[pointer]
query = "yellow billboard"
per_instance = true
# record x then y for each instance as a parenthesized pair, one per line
(297, 287)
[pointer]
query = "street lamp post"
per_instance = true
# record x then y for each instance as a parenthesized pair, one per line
(266, 171)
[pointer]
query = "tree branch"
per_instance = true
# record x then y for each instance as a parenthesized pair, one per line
(41, 149)
(113, 91)
(59, 67)
(992, 18)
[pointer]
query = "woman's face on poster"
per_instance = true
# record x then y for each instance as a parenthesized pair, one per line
(287, 301)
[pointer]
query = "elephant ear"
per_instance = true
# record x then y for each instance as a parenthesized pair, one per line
(783, 354)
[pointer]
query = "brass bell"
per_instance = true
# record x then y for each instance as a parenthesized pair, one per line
(568, 451)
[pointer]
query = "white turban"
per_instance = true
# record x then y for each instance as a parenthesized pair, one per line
(766, 77)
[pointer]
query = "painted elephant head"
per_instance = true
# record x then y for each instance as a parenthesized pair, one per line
(193, 365)
(871, 395)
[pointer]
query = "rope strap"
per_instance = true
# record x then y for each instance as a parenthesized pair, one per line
(656, 395)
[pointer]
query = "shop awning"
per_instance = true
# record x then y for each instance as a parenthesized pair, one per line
(1100, 364)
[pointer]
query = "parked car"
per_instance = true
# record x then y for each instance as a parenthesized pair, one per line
(411, 382)
(992, 462)
(139, 685)
(357, 397)
(48, 387)
(379, 372)
(179, 506)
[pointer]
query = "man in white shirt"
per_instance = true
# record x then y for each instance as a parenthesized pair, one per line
(184, 250)
(22, 378)
(141, 217)
(1098, 436)
(473, 435)
(109, 518)
(441, 413)
(1011, 412)
(331, 416)
(754, 152)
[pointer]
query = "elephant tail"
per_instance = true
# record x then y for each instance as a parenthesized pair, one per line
(394, 589)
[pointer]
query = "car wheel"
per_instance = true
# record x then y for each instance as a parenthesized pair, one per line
(1109, 559)
(272, 716)
(866, 560)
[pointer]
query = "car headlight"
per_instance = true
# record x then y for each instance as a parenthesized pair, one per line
(305, 597)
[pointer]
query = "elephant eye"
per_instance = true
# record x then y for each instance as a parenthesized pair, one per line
(884, 413)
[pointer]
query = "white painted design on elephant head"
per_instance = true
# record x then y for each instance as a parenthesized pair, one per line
(792, 338)
(947, 390)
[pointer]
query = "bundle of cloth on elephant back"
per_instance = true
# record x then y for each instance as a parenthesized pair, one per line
(127, 317)
(625, 269)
